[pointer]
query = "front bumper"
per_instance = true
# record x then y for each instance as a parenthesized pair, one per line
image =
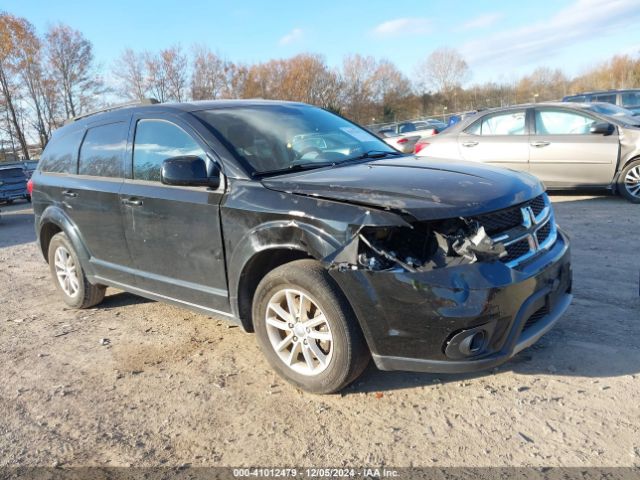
(409, 319)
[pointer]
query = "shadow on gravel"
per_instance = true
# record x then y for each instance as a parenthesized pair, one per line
(122, 299)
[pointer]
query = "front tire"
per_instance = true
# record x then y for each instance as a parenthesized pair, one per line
(629, 182)
(69, 277)
(307, 329)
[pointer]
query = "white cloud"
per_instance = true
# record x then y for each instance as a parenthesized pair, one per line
(403, 26)
(581, 21)
(291, 37)
(481, 21)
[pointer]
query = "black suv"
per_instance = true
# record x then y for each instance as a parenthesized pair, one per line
(305, 228)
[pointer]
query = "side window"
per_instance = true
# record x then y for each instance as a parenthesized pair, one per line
(102, 150)
(61, 153)
(608, 98)
(505, 123)
(157, 140)
(630, 99)
(558, 122)
(578, 99)
(475, 128)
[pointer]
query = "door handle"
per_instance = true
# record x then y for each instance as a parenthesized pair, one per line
(132, 202)
(540, 144)
(69, 193)
(472, 143)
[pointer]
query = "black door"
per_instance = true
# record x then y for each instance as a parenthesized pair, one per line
(91, 199)
(173, 232)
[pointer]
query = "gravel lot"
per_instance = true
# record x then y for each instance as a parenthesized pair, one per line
(172, 387)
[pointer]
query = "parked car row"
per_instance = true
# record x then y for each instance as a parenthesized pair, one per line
(566, 145)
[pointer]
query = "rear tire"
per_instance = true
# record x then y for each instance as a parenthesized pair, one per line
(629, 182)
(69, 277)
(322, 346)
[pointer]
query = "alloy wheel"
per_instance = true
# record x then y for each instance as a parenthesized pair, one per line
(66, 271)
(632, 181)
(299, 332)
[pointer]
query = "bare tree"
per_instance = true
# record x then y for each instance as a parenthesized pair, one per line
(166, 77)
(209, 76)
(13, 31)
(358, 73)
(130, 70)
(71, 63)
(175, 64)
(443, 71)
(392, 91)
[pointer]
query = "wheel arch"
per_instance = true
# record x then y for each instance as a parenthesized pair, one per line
(54, 220)
(267, 247)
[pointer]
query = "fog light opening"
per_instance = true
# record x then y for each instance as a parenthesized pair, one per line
(474, 343)
(469, 343)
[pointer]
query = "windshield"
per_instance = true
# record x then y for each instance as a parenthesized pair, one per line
(270, 138)
(609, 109)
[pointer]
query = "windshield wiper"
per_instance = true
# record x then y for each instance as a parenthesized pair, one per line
(374, 154)
(298, 167)
(295, 168)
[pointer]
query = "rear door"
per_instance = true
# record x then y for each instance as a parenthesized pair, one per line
(499, 138)
(91, 199)
(173, 232)
(565, 154)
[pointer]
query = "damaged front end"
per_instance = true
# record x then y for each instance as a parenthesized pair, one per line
(459, 294)
(419, 247)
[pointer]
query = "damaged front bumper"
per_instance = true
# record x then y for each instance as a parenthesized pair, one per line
(460, 318)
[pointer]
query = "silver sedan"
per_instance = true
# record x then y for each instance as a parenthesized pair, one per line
(565, 145)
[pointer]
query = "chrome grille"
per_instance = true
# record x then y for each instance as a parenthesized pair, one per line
(524, 230)
(516, 250)
(509, 217)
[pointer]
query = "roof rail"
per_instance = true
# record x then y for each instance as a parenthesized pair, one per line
(144, 101)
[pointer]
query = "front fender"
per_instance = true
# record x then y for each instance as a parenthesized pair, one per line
(279, 234)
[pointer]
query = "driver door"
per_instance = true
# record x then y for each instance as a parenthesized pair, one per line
(173, 232)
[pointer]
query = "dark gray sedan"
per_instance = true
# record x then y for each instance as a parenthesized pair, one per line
(565, 145)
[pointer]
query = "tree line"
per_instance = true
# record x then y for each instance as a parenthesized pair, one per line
(50, 77)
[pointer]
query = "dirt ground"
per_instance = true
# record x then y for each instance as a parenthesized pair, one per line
(170, 387)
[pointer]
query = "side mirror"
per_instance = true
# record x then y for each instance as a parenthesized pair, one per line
(188, 171)
(602, 128)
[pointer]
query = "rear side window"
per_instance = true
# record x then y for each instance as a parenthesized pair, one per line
(61, 153)
(608, 98)
(102, 150)
(505, 123)
(157, 140)
(558, 122)
(630, 99)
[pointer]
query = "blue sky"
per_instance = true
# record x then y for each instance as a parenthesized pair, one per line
(501, 40)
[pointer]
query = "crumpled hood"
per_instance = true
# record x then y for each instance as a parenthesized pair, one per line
(426, 189)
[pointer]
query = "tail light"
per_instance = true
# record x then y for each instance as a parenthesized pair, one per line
(402, 140)
(30, 186)
(420, 146)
